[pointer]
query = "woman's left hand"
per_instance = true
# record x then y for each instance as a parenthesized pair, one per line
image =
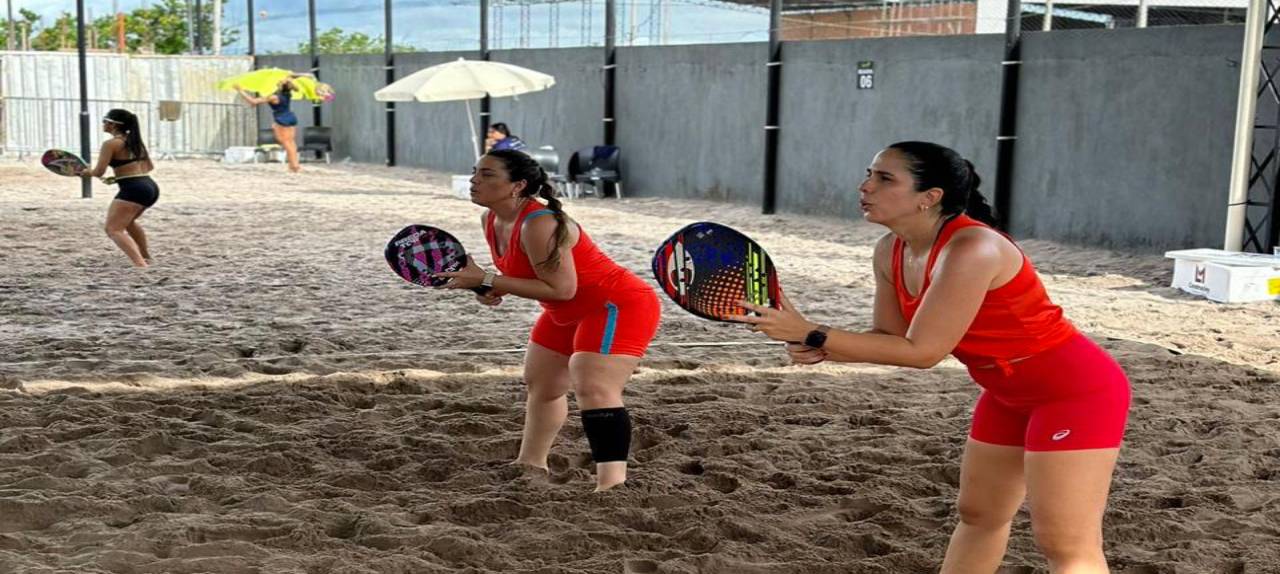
(466, 278)
(785, 324)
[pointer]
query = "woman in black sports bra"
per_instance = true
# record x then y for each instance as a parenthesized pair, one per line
(127, 157)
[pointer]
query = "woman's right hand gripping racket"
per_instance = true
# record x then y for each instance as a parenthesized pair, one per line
(418, 252)
(63, 162)
(708, 269)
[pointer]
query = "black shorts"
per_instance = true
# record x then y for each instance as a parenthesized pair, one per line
(141, 190)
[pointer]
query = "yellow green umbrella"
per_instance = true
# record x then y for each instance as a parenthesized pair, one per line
(267, 81)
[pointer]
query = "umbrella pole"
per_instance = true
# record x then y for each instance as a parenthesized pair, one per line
(471, 121)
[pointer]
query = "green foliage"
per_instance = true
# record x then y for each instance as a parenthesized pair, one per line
(162, 28)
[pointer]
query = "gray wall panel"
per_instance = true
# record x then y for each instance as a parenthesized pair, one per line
(940, 89)
(691, 120)
(1125, 137)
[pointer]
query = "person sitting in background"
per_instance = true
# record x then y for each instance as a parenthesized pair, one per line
(499, 138)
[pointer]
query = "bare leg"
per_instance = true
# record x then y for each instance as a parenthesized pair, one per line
(285, 135)
(1067, 494)
(598, 382)
(991, 489)
(546, 373)
(119, 216)
(139, 237)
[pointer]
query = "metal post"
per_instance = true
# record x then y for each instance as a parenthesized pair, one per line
(1142, 13)
(217, 27)
(610, 63)
(1007, 136)
(199, 28)
(770, 203)
(485, 110)
(1246, 110)
(390, 63)
(1048, 15)
(8, 43)
(252, 46)
(86, 184)
(315, 60)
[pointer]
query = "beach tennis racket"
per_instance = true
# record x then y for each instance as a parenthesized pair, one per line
(63, 162)
(708, 269)
(419, 251)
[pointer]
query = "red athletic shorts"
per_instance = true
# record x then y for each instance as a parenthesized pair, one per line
(623, 325)
(1071, 397)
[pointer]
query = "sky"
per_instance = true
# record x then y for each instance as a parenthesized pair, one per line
(440, 25)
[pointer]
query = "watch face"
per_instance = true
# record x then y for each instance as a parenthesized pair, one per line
(815, 339)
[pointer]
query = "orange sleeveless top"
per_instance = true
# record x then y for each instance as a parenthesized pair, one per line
(598, 275)
(1016, 320)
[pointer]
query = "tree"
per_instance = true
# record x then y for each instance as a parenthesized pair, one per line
(163, 28)
(27, 22)
(335, 41)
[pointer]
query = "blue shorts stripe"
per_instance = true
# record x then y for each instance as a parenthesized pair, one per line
(610, 325)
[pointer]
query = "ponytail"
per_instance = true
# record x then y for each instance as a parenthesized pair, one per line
(521, 167)
(975, 204)
(128, 122)
(548, 193)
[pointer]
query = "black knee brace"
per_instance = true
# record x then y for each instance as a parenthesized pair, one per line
(608, 433)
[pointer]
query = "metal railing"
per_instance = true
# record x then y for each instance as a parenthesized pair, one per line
(32, 125)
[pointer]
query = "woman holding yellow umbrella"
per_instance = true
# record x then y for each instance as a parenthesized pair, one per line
(282, 85)
(283, 120)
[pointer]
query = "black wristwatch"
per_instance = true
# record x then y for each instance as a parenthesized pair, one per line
(817, 337)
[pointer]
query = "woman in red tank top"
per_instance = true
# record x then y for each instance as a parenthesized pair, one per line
(597, 321)
(1050, 420)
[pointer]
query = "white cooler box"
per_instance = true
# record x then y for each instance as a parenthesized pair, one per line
(240, 154)
(1226, 276)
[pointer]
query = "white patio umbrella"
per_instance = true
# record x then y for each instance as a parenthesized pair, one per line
(465, 80)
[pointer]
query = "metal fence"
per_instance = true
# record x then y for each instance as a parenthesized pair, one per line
(32, 125)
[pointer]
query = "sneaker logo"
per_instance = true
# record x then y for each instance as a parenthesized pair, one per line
(1061, 434)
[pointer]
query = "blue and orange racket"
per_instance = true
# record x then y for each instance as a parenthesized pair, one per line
(418, 252)
(708, 269)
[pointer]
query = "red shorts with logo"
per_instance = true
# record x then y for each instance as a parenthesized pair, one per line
(623, 325)
(1071, 397)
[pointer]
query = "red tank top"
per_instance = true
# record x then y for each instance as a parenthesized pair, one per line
(598, 275)
(1016, 320)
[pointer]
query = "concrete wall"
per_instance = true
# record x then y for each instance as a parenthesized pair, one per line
(567, 116)
(691, 120)
(1125, 137)
(360, 122)
(940, 89)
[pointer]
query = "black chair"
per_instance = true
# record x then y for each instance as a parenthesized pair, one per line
(267, 136)
(546, 157)
(599, 166)
(318, 139)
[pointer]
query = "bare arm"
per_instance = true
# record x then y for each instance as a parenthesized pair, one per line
(965, 270)
(552, 284)
(108, 150)
(253, 101)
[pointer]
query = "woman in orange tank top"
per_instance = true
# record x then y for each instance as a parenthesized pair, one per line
(597, 321)
(1050, 420)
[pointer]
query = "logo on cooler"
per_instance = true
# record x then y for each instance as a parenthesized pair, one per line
(1061, 434)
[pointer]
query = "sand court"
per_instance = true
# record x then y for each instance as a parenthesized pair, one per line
(270, 397)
